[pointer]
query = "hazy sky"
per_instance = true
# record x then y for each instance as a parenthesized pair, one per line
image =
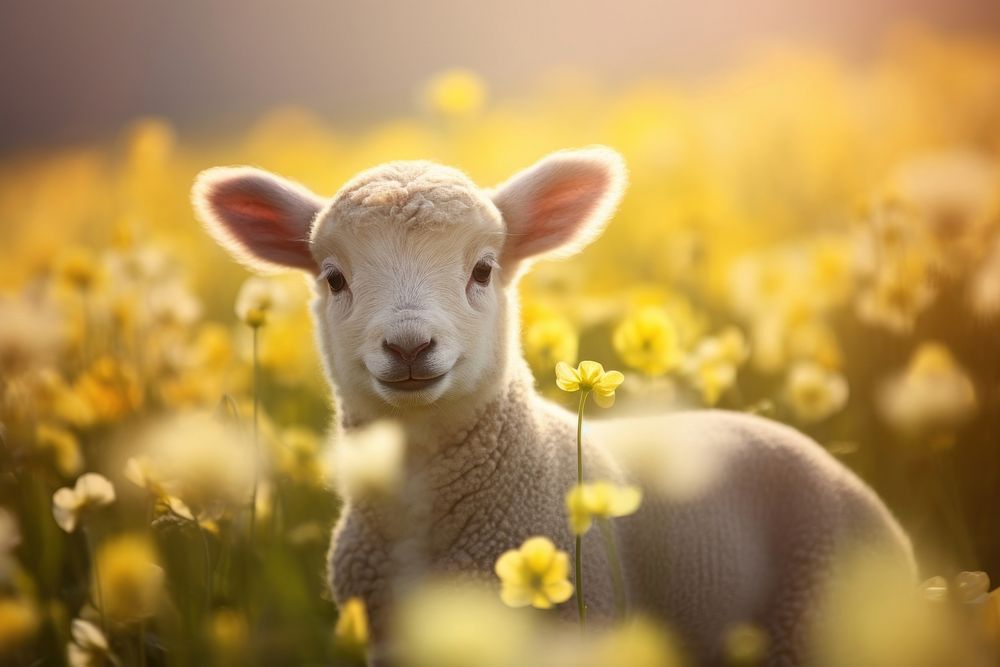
(77, 69)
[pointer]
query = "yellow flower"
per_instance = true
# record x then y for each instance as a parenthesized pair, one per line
(228, 630)
(69, 505)
(206, 478)
(589, 376)
(110, 388)
(455, 623)
(140, 471)
(745, 644)
(602, 500)
(89, 647)
(637, 643)
(548, 341)
(711, 368)
(77, 267)
(352, 624)
(648, 341)
(257, 299)
(814, 393)
(457, 92)
(534, 575)
(10, 534)
(296, 455)
(130, 580)
(368, 462)
(933, 393)
(64, 446)
(19, 622)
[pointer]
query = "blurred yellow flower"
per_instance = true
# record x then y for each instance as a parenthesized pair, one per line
(637, 643)
(89, 647)
(536, 575)
(900, 291)
(258, 299)
(19, 621)
(712, 365)
(453, 623)
(745, 645)
(367, 462)
(589, 376)
(647, 341)
(549, 340)
(296, 455)
(601, 500)
(456, 92)
(32, 332)
(111, 389)
(873, 618)
(932, 393)
(352, 624)
(140, 471)
(77, 267)
(228, 630)
(10, 538)
(814, 393)
(64, 446)
(90, 492)
(129, 578)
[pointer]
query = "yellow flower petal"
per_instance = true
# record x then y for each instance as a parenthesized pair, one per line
(591, 373)
(559, 591)
(510, 566)
(604, 400)
(541, 601)
(516, 596)
(625, 501)
(558, 570)
(567, 378)
(538, 553)
(609, 382)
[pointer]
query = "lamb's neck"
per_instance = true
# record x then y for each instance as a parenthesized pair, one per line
(483, 441)
(436, 428)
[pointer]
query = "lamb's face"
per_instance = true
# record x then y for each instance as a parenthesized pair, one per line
(409, 296)
(414, 265)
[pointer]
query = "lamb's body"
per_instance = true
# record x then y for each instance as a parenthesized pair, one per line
(757, 546)
(415, 270)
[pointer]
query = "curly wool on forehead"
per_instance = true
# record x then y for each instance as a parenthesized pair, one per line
(413, 193)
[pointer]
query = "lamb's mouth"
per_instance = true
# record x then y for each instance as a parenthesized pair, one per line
(412, 384)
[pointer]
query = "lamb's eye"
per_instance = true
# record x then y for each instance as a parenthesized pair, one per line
(481, 273)
(336, 281)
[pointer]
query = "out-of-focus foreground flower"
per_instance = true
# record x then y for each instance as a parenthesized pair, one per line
(535, 574)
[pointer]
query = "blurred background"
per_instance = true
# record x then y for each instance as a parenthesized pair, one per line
(73, 71)
(812, 233)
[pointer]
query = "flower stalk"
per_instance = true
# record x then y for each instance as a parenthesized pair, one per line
(581, 605)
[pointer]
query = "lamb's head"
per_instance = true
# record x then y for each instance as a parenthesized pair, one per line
(414, 266)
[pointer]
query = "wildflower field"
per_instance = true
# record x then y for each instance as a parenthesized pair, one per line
(802, 238)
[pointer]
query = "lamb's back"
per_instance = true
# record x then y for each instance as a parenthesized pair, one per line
(743, 521)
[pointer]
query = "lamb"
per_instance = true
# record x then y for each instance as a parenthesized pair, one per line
(415, 271)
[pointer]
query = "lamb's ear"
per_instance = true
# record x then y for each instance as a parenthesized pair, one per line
(262, 219)
(560, 204)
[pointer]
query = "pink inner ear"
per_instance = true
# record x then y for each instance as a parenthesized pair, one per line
(266, 224)
(246, 207)
(556, 214)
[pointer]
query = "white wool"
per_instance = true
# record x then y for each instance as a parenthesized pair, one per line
(488, 460)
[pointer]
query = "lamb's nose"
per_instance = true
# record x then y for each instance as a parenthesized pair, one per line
(408, 349)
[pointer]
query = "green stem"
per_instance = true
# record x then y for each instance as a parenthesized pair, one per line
(581, 605)
(88, 538)
(256, 446)
(208, 565)
(617, 578)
